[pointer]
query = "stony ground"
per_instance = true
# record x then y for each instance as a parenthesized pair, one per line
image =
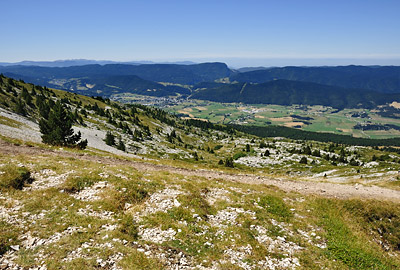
(305, 187)
(212, 228)
(93, 212)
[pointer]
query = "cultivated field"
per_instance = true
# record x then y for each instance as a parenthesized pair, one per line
(310, 118)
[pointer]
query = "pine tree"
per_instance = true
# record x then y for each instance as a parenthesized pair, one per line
(262, 144)
(110, 138)
(20, 107)
(229, 162)
(121, 145)
(307, 150)
(57, 129)
(248, 149)
(303, 160)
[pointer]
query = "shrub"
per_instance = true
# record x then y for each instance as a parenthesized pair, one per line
(239, 155)
(217, 147)
(262, 144)
(303, 160)
(354, 162)
(14, 177)
(316, 153)
(229, 162)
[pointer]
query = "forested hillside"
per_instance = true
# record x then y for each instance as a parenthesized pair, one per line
(384, 79)
(173, 73)
(284, 92)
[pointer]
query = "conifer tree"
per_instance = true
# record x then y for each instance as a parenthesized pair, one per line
(57, 129)
(110, 138)
(20, 107)
(121, 145)
(248, 149)
(229, 162)
(303, 160)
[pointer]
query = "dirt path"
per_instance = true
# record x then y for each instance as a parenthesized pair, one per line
(322, 189)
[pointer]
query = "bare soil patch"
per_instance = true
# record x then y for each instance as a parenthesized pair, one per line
(395, 104)
(293, 124)
(281, 119)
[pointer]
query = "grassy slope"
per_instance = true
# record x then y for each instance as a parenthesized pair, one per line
(351, 230)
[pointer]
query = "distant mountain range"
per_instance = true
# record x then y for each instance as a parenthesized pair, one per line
(339, 87)
(286, 92)
(107, 86)
(172, 73)
(385, 79)
(83, 62)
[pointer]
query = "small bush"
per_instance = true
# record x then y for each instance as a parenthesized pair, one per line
(354, 162)
(263, 144)
(229, 162)
(248, 148)
(239, 155)
(303, 160)
(217, 147)
(14, 177)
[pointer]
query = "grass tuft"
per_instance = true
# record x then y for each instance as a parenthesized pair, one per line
(276, 206)
(8, 236)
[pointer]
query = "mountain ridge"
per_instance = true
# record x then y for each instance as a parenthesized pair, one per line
(384, 79)
(287, 92)
(172, 73)
(81, 62)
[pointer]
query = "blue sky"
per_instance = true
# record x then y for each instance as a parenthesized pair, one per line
(241, 33)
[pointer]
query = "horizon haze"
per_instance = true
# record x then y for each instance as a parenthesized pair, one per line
(255, 33)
